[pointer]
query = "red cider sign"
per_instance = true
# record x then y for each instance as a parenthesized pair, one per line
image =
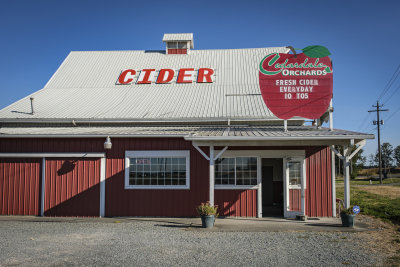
(296, 85)
(148, 76)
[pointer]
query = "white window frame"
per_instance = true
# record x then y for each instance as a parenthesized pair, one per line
(157, 154)
(231, 186)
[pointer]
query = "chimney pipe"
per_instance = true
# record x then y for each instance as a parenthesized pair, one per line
(32, 110)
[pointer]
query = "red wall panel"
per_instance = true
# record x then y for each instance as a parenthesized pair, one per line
(72, 187)
(20, 181)
(121, 202)
(160, 202)
(319, 182)
(294, 199)
(240, 203)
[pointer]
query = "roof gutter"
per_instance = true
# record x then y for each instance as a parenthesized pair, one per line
(275, 138)
(190, 137)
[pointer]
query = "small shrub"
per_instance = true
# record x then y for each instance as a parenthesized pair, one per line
(348, 211)
(206, 209)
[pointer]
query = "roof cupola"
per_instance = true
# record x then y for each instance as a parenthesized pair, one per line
(178, 43)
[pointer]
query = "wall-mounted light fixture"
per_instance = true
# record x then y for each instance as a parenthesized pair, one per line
(107, 143)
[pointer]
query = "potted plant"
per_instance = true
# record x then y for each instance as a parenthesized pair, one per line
(347, 216)
(207, 213)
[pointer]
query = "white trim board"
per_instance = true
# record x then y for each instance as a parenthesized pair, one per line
(265, 153)
(153, 154)
(52, 155)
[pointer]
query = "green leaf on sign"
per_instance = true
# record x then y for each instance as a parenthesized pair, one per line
(328, 70)
(316, 51)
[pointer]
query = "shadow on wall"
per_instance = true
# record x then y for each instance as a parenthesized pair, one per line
(68, 166)
(71, 191)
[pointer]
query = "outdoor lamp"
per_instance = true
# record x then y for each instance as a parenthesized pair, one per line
(107, 143)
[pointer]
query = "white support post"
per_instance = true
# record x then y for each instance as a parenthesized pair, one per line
(102, 186)
(346, 174)
(330, 117)
(212, 176)
(43, 187)
(285, 125)
(259, 189)
(302, 192)
(333, 176)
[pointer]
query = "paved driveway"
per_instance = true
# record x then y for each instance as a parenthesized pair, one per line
(34, 241)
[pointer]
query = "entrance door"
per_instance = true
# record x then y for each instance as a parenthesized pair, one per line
(295, 185)
(272, 187)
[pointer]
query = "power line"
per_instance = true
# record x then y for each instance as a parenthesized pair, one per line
(390, 97)
(363, 122)
(390, 82)
(391, 115)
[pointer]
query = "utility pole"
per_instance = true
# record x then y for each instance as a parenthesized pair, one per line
(379, 123)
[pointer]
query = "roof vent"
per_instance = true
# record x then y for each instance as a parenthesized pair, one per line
(178, 43)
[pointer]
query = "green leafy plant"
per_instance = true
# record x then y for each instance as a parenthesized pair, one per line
(206, 209)
(348, 211)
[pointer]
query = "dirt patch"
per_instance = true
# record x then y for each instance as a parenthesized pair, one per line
(384, 239)
(392, 192)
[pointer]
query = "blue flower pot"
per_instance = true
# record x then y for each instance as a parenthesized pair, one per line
(347, 219)
(207, 221)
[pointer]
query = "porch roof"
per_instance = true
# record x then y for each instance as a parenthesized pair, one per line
(190, 133)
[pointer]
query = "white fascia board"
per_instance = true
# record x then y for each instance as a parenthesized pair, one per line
(275, 138)
(87, 135)
(52, 155)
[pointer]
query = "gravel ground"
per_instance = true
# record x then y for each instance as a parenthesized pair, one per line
(150, 243)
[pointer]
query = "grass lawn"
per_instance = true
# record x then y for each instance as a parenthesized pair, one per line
(386, 207)
(365, 181)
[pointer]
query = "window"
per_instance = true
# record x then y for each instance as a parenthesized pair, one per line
(157, 169)
(179, 45)
(182, 45)
(294, 173)
(172, 45)
(239, 171)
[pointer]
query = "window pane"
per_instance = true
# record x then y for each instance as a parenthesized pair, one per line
(172, 45)
(294, 173)
(157, 171)
(243, 169)
(182, 45)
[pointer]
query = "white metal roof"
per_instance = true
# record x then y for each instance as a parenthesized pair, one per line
(179, 37)
(84, 87)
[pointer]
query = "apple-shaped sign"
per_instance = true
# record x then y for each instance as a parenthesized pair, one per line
(297, 85)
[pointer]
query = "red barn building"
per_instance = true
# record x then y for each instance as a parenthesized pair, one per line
(155, 133)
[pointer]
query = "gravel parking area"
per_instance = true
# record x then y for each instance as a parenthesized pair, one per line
(154, 243)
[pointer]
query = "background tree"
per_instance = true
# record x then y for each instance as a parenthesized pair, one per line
(371, 160)
(397, 155)
(357, 163)
(387, 157)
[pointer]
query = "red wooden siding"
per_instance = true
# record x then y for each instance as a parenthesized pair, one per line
(177, 51)
(240, 203)
(20, 181)
(319, 182)
(72, 187)
(294, 199)
(172, 202)
(159, 202)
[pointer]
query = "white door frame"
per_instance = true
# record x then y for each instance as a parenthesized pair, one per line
(287, 213)
(273, 154)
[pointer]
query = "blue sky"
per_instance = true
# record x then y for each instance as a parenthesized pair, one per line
(363, 37)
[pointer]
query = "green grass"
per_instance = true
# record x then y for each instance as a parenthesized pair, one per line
(373, 204)
(365, 181)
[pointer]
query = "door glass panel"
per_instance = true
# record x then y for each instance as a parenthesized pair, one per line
(294, 173)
